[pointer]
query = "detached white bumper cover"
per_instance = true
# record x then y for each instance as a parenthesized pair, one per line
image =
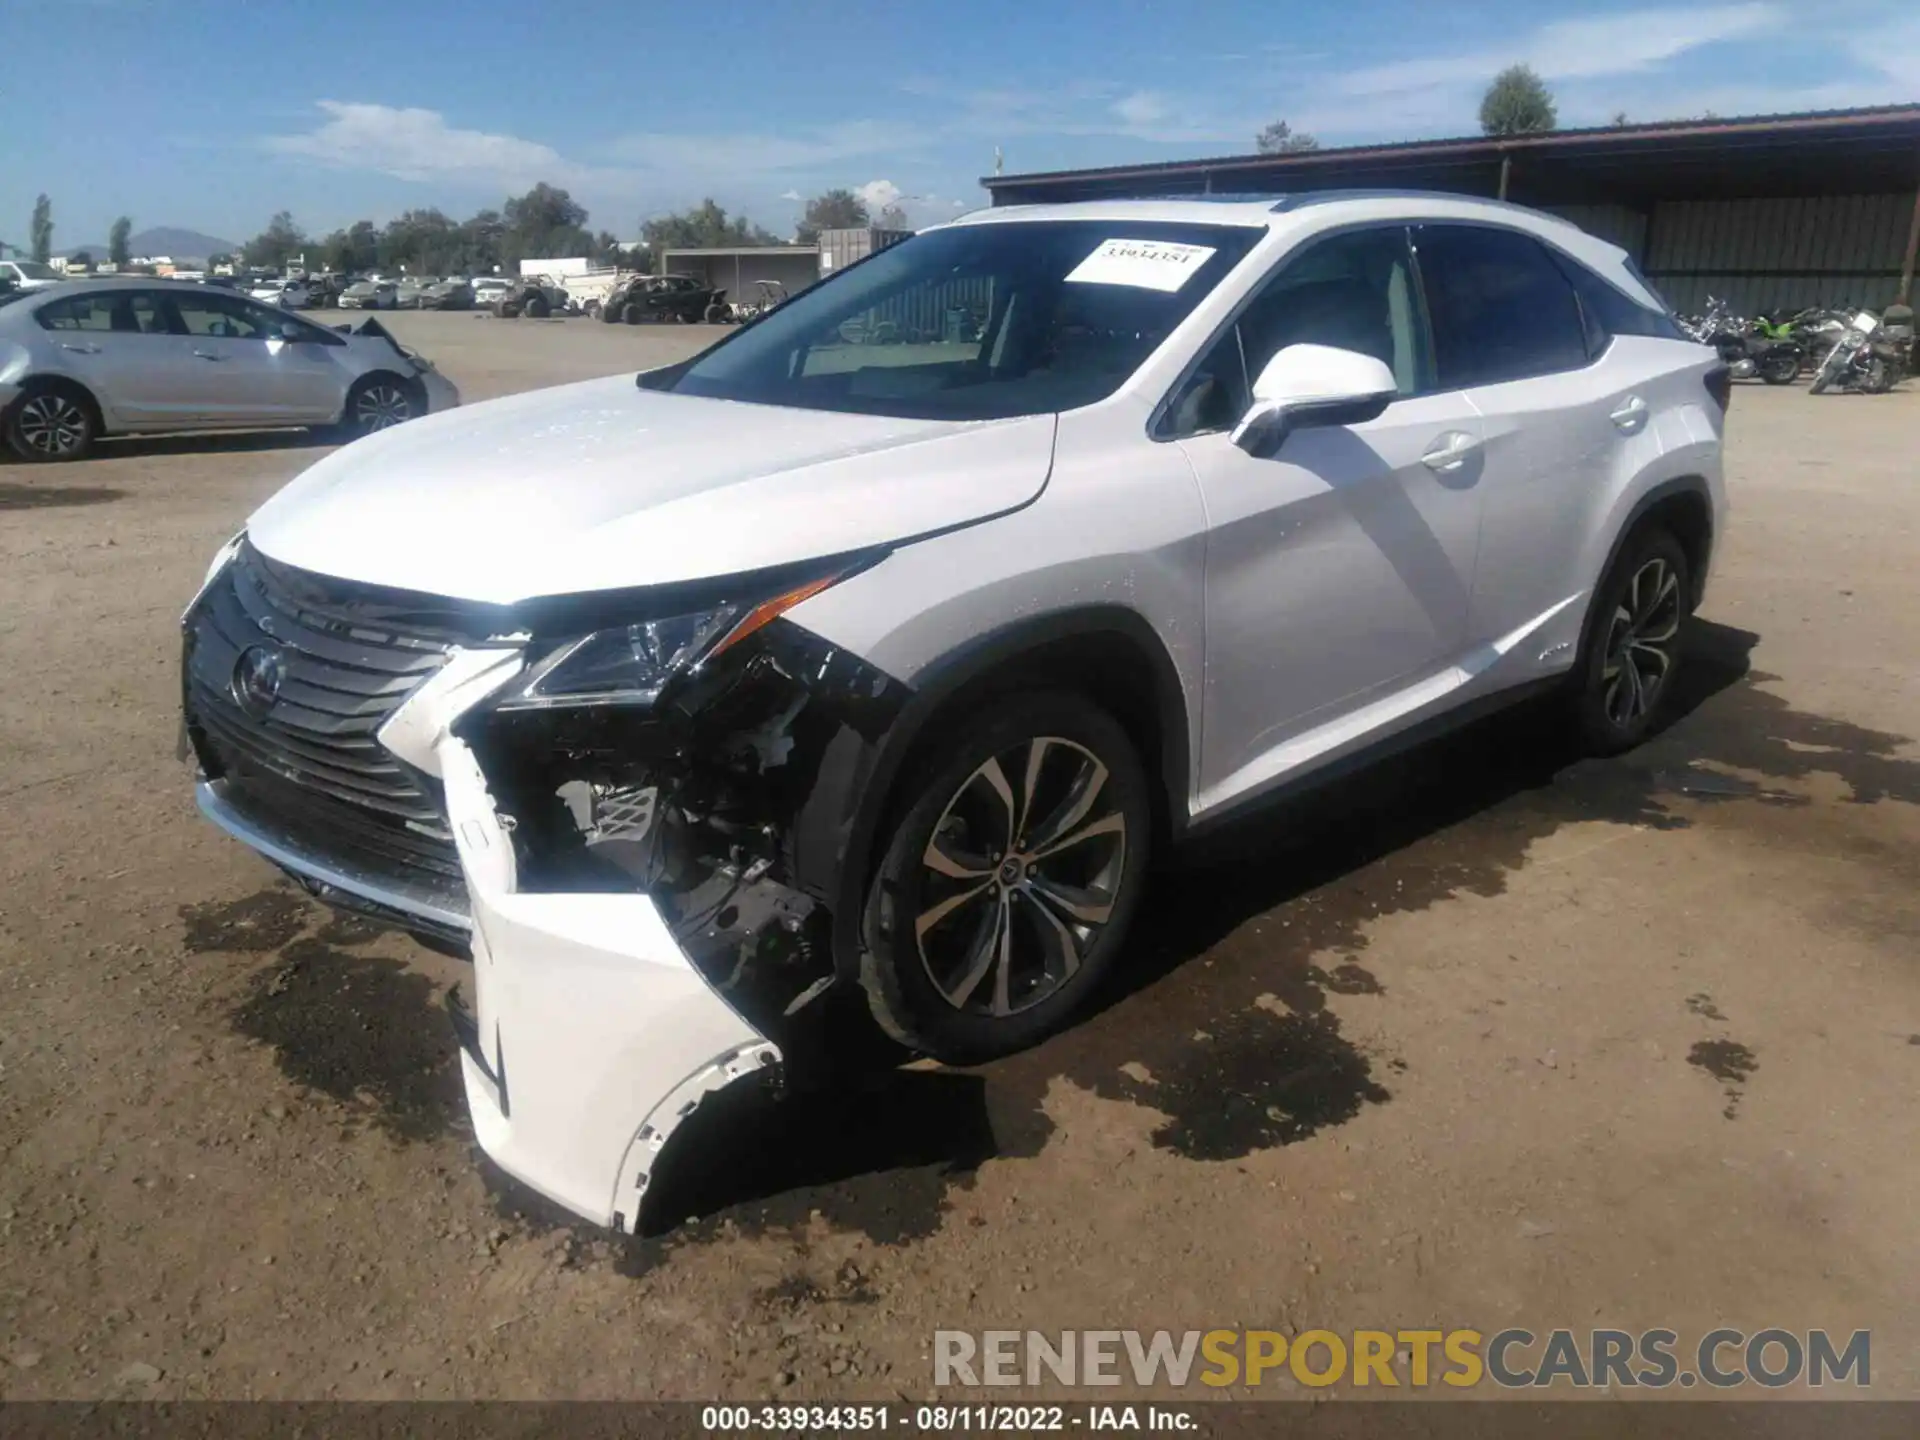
(592, 1037)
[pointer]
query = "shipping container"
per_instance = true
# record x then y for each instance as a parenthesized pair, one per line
(841, 248)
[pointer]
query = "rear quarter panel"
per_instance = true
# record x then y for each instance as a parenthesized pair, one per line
(1686, 428)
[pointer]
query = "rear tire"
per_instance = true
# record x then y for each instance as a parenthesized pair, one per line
(1635, 643)
(1024, 836)
(591, 310)
(716, 314)
(52, 422)
(1779, 367)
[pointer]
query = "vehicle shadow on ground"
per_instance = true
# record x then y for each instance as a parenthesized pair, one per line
(204, 442)
(236, 442)
(1221, 1023)
(54, 497)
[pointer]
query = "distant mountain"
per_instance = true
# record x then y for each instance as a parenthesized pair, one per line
(164, 240)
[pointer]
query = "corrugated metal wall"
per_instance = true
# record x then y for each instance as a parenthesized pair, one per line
(949, 310)
(1619, 224)
(841, 248)
(1778, 255)
(736, 274)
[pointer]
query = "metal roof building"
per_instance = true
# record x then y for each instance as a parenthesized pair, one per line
(1773, 212)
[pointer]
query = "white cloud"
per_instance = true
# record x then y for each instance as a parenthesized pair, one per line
(791, 195)
(1142, 108)
(1566, 49)
(414, 144)
(879, 194)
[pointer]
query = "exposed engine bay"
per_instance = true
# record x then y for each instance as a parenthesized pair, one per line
(728, 804)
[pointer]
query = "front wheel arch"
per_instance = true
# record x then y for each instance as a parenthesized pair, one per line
(416, 393)
(1110, 654)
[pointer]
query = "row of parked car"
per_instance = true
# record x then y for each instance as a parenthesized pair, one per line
(374, 292)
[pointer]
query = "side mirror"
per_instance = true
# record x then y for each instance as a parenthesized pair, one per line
(1309, 385)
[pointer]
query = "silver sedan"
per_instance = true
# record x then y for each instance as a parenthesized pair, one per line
(127, 357)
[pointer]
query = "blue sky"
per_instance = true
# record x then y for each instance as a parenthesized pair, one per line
(212, 116)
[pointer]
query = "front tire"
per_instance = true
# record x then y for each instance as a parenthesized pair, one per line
(1010, 880)
(1634, 645)
(52, 422)
(1780, 367)
(536, 308)
(634, 314)
(376, 403)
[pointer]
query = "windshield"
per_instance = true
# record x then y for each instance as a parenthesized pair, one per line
(34, 270)
(977, 322)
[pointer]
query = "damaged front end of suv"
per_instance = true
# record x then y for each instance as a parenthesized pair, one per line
(650, 798)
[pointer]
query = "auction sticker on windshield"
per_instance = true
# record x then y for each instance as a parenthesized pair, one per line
(1144, 264)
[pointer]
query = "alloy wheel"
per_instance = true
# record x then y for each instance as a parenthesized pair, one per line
(1020, 877)
(381, 407)
(52, 425)
(1641, 642)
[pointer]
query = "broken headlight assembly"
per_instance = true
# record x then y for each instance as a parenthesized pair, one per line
(631, 664)
(709, 759)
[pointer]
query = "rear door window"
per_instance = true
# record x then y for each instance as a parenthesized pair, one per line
(1501, 308)
(120, 312)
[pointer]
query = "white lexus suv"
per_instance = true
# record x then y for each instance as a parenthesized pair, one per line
(875, 649)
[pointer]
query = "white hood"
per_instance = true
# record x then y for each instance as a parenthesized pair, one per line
(603, 485)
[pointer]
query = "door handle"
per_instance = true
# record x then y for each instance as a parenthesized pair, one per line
(1451, 451)
(82, 349)
(207, 355)
(1631, 415)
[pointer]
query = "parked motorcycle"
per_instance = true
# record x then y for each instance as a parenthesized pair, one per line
(1862, 359)
(1747, 350)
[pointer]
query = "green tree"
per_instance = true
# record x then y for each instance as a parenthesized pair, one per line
(835, 210)
(422, 242)
(480, 242)
(277, 244)
(1280, 138)
(707, 224)
(119, 241)
(80, 260)
(351, 251)
(543, 224)
(42, 229)
(1517, 103)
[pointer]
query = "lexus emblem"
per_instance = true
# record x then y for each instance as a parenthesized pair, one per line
(257, 677)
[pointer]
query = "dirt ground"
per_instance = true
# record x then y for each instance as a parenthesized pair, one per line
(1488, 1039)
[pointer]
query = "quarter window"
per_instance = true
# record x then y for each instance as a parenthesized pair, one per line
(1607, 311)
(1500, 306)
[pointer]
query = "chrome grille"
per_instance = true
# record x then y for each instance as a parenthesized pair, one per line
(313, 760)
